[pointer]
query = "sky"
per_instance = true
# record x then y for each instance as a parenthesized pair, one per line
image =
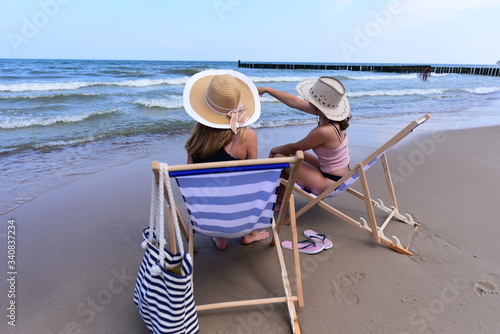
(325, 31)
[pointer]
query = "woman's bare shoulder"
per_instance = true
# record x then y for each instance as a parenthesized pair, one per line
(250, 134)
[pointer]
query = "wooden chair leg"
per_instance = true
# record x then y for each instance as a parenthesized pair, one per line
(368, 203)
(296, 259)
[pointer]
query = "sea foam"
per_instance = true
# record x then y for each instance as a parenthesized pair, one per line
(47, 96)
(482, 90)
(66, 142)
(396, 92)
(279, 79)
(47, 121)
(410, 76)
(160, 103)
(50, 86)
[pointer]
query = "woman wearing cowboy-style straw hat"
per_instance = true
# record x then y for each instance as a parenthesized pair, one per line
(223, 102)
(324, 97)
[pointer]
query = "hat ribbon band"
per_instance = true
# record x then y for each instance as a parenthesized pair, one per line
(237, 115)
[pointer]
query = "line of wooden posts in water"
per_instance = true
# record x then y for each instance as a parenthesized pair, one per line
(493, 70)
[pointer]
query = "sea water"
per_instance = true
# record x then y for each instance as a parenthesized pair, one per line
(64, 119)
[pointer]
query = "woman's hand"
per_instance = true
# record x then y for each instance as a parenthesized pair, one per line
(272, 153)
(280, 151)
(261, 90)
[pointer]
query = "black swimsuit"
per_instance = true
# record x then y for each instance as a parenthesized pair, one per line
(331, 177)
(220, 155)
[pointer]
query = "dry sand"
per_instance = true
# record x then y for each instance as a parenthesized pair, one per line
(78, 250)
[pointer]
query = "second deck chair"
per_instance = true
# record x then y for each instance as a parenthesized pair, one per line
(230, 199)
(344, 185)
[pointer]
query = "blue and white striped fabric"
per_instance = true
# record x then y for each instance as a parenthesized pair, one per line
(230, 204)
(165, 300)
(345, 185)
(350, 181)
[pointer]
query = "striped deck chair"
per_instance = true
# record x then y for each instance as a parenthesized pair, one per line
(229, 200)
(344, 185)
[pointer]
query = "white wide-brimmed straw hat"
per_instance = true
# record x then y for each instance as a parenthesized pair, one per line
(328, 95)
(222, 99)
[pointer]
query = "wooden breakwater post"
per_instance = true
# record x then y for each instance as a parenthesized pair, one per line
(487, 70)
(348, 67)
(471, 69)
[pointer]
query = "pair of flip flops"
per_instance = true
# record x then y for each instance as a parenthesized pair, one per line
(314, 244)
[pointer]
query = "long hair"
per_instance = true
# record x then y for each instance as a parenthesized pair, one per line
(203, 142)
(343, 124)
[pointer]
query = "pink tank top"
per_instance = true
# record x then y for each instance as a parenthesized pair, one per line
(332, 159)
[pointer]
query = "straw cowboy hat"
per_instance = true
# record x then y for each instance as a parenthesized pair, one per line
(222, 99)
(328, 95)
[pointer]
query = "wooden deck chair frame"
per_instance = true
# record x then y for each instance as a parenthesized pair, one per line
(287, 203)
(372, 228)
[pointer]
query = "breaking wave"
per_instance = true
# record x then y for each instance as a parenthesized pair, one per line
(160, 103)
(60, 143)
(50, 86)
(46, 121)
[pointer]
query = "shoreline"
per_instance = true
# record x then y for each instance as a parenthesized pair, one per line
(47, 157)
(381, 129)
(78, 248)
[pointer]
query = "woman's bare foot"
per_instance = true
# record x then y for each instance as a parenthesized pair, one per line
(220, 243)
(254, 237)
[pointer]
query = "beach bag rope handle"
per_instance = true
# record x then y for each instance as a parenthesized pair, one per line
(157, 217)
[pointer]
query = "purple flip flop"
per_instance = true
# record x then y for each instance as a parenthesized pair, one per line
(305, 246)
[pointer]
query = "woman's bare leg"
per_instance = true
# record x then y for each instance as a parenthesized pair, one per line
(310, 178)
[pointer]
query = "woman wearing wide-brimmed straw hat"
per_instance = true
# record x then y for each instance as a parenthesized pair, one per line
(223, 102)
(324, 97)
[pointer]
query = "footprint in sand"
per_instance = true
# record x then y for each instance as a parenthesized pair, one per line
(483, 288)
(343, 285)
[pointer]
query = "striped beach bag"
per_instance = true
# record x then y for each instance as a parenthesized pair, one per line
(164, 289)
